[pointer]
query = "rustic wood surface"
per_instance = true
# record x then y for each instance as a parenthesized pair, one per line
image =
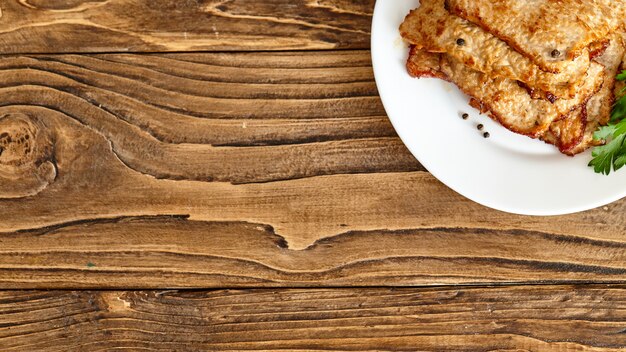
(215, 170)
(53, 26)
(222, 159)
(449, 319)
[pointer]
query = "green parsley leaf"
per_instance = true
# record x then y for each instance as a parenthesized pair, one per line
(620, 161)
(612, 130)
(604, 133)
(619, 110)
(620, 128)
(604, 157)
(612, 155)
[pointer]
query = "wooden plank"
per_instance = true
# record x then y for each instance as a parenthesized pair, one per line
(198, 117)
(44, 26)
(532, 318)
(177, 252)
(267, 169)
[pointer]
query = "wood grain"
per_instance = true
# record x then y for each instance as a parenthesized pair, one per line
(235, 118)
(244, 169)
(175, 252)
(43, 26)
(253, 167)
(448, 319)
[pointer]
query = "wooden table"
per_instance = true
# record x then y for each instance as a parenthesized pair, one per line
(220, 175)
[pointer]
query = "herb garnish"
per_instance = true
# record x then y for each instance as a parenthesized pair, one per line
(612, 155)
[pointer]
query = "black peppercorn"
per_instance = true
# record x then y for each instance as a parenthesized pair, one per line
(465, 116)
(480, 127)
(460, 42)
(486, 135)
(555, 53)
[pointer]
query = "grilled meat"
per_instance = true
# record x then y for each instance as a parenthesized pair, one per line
(551, 33)
(432, 28)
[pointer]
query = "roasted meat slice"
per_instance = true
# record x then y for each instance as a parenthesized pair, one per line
(551, 33)
(432, 28)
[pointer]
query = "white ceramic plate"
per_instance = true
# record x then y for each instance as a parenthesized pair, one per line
(507, 172)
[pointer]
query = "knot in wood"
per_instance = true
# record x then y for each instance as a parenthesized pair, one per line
(26, 156)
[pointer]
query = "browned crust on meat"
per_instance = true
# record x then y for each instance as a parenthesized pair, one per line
(537, 94)
(566, 114)
(571, 131)
(598, 48)
(426, 67)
